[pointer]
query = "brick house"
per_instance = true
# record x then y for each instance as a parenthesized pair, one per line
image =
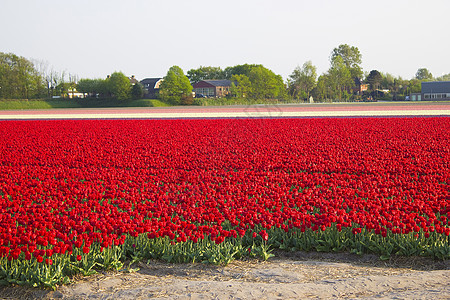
(359, 87)
(212, 88)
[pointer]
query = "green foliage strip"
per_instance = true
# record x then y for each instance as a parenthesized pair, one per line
(141, 248)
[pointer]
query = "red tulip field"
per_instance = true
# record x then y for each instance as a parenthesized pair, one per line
(79, 196)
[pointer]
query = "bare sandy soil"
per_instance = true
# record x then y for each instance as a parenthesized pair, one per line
(288, 276)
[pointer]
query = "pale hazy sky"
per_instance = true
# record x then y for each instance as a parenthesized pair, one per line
(93, 38)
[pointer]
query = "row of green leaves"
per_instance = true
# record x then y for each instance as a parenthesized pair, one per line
(141, 248)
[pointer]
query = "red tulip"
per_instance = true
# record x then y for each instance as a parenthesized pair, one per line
(79, 183)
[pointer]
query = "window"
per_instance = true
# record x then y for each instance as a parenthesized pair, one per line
(208, 92)
(436, 96)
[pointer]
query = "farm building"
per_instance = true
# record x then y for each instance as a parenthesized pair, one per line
(151, 86)
(212, 88)
(436, 90)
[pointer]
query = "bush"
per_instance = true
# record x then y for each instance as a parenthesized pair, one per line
(240, 101)
(137, 92)
(187, 100)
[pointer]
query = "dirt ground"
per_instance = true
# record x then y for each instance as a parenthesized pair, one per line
(287, 276)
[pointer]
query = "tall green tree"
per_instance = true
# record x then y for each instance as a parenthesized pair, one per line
(175, 87)
(303, 80)
(374, 80)
(85, 86)
(239, 70)
(340, 79)
(92, 87)
(424, 74)
(119, 86)
(264, 83)
(321, 92)
(393, 84)
(387, 81)
(19, 78)
(445, 77)
(205, 73)
(351, 57)
(241, 87)
(414, 86)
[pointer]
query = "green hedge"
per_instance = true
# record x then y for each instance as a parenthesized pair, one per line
(240, 101)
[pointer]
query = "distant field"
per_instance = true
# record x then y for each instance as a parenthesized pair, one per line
(81, 103)
(238, 111)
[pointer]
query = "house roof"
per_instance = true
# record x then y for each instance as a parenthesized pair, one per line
(151, 82)
(221, 82)
(434, 87)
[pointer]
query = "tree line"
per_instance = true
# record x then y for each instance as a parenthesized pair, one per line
(21, 78)
(340, 82)
(247, 81)
(116, 85)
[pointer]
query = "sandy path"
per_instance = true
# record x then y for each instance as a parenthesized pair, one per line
(279, 279)
(291, 276)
